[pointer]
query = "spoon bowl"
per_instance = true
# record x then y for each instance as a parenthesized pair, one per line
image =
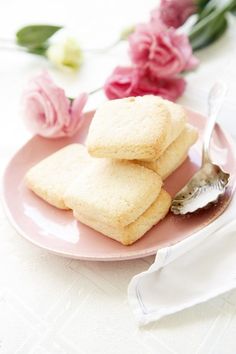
(210, 182)
(204, 188)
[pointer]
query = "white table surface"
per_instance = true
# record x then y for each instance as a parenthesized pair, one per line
(55, 305)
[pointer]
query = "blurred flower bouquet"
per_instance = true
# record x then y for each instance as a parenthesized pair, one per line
(161, 53)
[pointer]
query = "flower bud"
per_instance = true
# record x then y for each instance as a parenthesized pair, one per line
(66, 54)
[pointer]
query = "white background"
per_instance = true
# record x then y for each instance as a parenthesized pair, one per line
(53, 305)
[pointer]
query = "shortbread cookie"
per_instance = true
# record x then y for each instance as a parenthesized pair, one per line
(178, 120)
(175, 154)
(113, 192)
(51, 177)
(135, 128)
(135, 230)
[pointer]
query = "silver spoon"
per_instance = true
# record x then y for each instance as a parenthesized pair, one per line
(210, 181)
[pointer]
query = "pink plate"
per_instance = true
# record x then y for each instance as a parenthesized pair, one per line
(58, 232)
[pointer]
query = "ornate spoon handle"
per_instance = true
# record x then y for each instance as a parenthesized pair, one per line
(215, 100)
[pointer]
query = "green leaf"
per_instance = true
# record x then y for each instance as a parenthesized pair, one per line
(206, 9)
(201, 5)
(35, 36)
(210, 36)
(209, 6)
(40, 50)
(233, 10)
(209, 29)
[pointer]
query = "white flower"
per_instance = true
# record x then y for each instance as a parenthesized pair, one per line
(66, 54)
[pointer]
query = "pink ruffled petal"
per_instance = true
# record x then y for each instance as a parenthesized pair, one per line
(47, 111)
(125, 82)
(165, 52)
(122, 82)
(173, 13)
(192, 63)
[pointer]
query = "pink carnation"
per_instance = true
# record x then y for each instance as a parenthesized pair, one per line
(173, 13)
(128, 81)
(163, 52)
(48, 112)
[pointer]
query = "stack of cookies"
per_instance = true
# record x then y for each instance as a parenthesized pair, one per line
(115, 184)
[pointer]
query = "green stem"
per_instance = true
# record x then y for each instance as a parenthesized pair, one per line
(13, 47)
(89, 93)
(7, 42)
(103, 50)
(95, 91)
(208, 29)
(201, 25)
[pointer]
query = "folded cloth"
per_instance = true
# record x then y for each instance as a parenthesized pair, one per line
(190, 272)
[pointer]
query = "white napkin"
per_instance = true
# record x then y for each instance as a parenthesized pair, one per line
(190, 272)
